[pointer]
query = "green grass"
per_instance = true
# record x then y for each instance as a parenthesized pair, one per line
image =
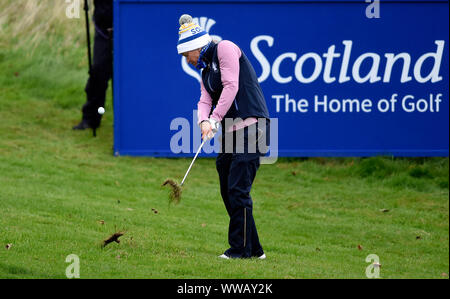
(56, 185)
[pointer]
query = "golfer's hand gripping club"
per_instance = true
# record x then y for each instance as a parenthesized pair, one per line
(209, 128)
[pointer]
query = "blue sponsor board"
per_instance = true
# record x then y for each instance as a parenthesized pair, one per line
(342, 78)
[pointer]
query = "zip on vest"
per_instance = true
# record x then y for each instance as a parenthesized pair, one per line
(209, 84)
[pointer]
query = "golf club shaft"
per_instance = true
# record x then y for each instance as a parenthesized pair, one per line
(193, 160)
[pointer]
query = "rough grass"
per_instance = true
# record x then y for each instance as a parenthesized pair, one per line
(63, 192)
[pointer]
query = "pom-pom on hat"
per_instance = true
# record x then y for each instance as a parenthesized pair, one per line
(192, 36)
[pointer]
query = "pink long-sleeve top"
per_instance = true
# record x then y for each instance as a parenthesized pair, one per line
(228, 54)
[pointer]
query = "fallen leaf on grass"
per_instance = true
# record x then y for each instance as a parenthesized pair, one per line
(113, 238)
(444, 274)
(360, 247)
(294, 173)
(203, 224)
(129, 209)
(101, 222)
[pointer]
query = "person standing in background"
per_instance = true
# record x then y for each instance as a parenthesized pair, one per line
(102, 67)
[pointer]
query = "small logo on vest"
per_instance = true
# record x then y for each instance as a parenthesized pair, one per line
(206, 24)
(214, 67)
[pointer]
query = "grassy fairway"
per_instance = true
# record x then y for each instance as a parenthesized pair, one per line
(63, 192)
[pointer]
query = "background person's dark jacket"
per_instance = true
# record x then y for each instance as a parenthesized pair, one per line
(103, 14)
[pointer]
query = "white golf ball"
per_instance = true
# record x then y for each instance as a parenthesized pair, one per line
(101, 110)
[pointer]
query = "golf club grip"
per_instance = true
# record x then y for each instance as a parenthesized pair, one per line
(192, 163)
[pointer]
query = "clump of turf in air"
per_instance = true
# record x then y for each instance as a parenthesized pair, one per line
(175, 193)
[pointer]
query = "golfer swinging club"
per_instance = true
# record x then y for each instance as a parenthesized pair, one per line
(230, 86)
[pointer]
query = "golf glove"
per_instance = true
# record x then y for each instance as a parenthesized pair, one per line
(214, 125)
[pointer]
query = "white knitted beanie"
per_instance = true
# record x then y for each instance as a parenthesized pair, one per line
(192, 36)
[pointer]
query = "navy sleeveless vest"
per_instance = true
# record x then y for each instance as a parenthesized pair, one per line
(249, 101)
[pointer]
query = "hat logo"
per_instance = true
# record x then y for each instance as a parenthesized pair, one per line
(206, 23)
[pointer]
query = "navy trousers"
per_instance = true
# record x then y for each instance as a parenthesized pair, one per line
(237, 171)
